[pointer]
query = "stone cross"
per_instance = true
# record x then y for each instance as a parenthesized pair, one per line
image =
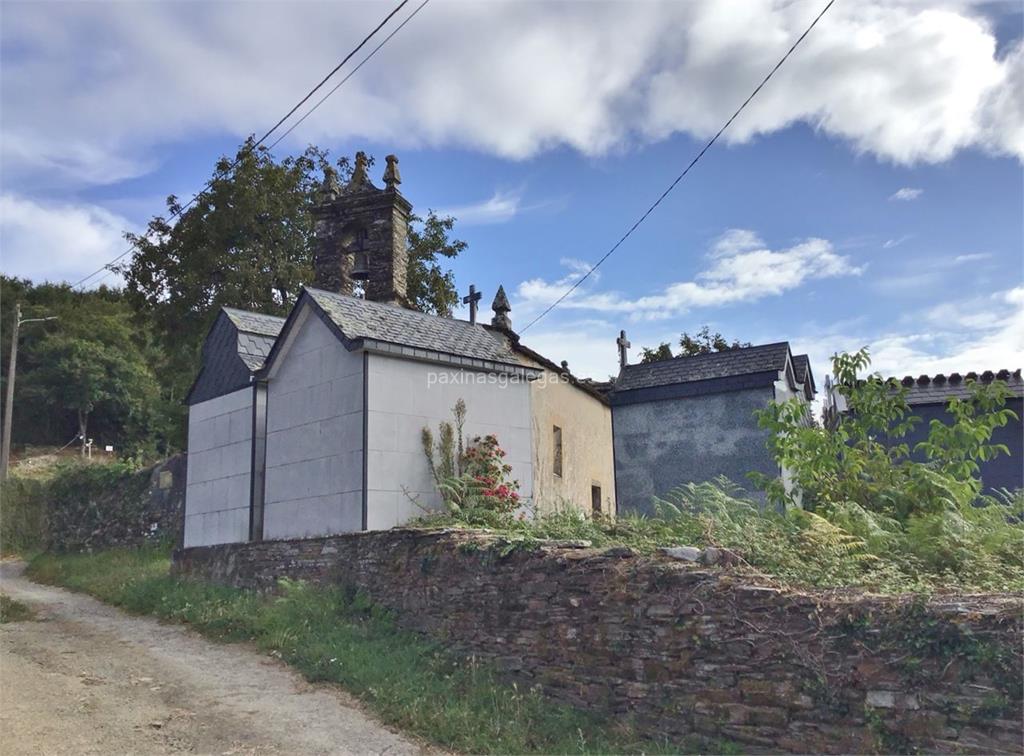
(471, 299)
(623, 346)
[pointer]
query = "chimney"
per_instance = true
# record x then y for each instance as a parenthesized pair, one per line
(361, 233)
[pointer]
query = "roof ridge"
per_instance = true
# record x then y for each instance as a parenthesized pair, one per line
(706, 355)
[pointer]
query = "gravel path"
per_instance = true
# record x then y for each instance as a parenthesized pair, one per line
(85, 678)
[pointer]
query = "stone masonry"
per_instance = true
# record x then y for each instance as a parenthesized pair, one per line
(361, 219)
(683, 649)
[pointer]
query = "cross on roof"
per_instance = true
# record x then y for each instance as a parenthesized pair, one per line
(623, 346)
(471, 299)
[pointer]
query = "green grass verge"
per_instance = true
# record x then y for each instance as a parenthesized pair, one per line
(14, 611)
(328, 635)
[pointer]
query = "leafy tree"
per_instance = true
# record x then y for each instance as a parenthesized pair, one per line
(248, 242)
(703, 342)
(431, 288)
(92, 328)
(91, 361)
(862, 460)
(661, 352)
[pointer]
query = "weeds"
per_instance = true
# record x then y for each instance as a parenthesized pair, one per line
(333, 636)
(14, 611)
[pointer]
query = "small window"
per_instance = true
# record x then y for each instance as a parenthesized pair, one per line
(595, 500)
(557, 465)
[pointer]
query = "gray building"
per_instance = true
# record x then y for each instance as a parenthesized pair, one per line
(928, 397)
(691, 419)
(313, 425)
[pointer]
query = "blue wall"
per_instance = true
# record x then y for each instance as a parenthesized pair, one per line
(661, 444)
(1003, 471)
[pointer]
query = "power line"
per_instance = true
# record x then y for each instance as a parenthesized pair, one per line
(682, 175)
(350, 74)
(277, 125)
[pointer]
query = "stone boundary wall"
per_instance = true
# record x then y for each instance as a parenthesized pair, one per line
(681, 649)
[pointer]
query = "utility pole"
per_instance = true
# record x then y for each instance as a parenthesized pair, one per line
(12, 370)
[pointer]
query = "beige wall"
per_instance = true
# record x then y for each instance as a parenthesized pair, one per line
(586, 425)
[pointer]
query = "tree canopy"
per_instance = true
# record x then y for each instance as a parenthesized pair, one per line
(703, 342)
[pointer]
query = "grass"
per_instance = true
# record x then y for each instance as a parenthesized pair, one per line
(14, 611)
(980, 550)
(328, 635)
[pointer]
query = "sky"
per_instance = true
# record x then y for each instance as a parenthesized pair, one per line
(871, 195)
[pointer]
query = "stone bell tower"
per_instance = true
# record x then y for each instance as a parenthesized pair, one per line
(361, 233)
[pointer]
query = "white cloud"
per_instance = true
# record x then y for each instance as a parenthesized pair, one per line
(959, 336)
(741, 271)
(973, 257)
(500, 207)
(890, 243)
(906, 194)
(58, 242)
(903, 81)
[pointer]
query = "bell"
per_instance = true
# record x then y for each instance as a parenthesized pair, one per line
(360, 266)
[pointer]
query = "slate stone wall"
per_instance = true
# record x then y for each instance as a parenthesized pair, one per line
(681, 649)
(84, 513)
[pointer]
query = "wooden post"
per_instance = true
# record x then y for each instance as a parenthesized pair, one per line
(12, 369)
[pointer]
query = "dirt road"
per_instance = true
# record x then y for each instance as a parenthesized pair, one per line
(86, 678)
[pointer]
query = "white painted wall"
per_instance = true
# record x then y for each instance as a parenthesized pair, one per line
(314, 477)
(219, 469)
(404, 397)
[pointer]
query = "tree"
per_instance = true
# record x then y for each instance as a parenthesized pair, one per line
(248, 242)
(93, 363)
(430, 287)
(704, 342)
(98, 316)
(661, 352)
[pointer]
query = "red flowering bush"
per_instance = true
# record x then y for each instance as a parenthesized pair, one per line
(484, 463)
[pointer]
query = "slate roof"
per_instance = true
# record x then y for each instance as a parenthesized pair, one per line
(703, 367)
(940, 388)
(362, 319)
(256, 335)
(802, 369)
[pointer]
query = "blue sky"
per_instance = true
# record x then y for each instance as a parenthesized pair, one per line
(871, 196)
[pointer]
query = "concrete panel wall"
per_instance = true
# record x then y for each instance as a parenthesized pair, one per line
(403, 398)
(314, 469)
(659, 445)
(219, 469)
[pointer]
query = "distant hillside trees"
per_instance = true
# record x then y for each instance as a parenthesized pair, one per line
(93, 371)
(703, 342)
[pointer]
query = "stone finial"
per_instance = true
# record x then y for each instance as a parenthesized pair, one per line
(360, 178)
(330, 188)
(392, 178)
(501, 309)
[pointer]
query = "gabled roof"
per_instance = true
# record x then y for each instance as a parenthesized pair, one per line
(767, 358)
(940, 389)
(802, 371)
(236, 346)
(256, 335)
(363, 319)
(394, 330)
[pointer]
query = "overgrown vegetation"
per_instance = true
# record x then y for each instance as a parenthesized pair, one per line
(873, 516)
(470, 475)
(335, 636)
(14, 611)
(79, 506)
